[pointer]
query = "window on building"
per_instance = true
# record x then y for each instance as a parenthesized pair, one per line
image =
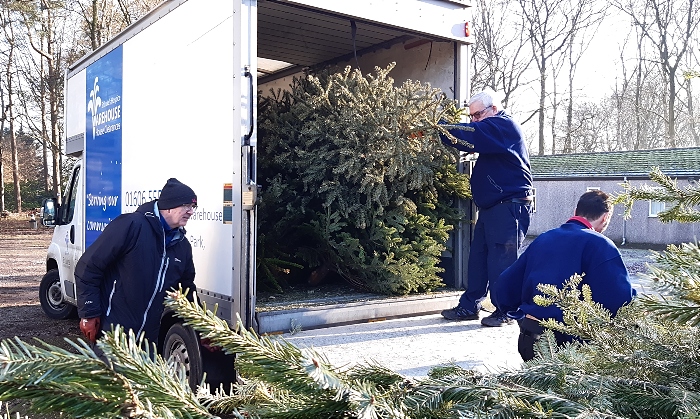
(534, 200)
(655, 207)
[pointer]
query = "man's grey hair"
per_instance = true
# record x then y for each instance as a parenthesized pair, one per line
(488, 97)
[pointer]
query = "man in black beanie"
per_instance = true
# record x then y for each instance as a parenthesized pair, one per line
(123, 276)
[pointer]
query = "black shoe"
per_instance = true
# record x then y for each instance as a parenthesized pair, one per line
(459, 313)
(497, 319)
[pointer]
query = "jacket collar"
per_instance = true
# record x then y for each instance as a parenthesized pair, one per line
(581, 220)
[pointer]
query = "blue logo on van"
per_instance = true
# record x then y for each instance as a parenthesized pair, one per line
(103, 143)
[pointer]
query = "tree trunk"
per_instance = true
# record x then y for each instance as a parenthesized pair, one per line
(555, 106)
(638, 142)
(672, 110)
(9, 110)
(570, 105)
(691, 115)
(543, 92)
(44, 134)
(54, 82)
(2, 136)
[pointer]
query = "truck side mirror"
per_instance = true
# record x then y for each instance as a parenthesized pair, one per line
(48, 211)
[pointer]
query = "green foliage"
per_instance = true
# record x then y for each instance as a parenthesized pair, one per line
(32, 192)
(630, 366)
(683, 199)
(356, 180)
(633, 365)
(134, 382)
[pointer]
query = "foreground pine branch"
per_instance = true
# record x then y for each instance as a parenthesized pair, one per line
(287, 381)
(632, 365)
(134, 384)
(299, 383)
(683, 199)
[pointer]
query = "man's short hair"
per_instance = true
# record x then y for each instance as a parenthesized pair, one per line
(488, 97)
(593, 204)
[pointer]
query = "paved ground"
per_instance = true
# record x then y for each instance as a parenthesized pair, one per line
(412, 346)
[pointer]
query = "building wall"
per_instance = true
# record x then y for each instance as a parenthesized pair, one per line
(556, 201)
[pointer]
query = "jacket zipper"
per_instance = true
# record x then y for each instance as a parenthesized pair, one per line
(111, 294)
(160, 281)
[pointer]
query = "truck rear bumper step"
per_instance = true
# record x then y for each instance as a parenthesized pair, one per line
(283, 321)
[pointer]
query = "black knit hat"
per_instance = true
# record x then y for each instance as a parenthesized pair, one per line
(174, 194)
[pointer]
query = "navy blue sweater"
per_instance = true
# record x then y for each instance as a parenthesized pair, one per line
(502, 170)
(552, 258)
(123, 276)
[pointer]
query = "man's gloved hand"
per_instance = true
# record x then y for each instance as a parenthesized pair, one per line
(206, 344)
(90, 328)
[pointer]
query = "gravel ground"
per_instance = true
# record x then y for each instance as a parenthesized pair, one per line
(22, 265)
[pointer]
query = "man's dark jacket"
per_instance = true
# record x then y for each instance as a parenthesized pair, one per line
(552, 258)
(502, 170)
(123, 276)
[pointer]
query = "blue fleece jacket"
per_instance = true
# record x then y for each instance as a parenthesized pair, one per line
(502, 170)
(551, 259)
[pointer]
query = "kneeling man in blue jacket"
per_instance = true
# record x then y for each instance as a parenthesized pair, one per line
(576, 247)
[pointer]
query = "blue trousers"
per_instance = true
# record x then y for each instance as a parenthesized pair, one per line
(498, 234)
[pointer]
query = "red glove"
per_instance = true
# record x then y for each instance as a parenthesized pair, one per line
(90, 328)
(206, 344)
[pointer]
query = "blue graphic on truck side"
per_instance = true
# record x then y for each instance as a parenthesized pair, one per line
(103, 143)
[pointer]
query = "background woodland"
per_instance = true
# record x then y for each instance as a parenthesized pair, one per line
(531, 50)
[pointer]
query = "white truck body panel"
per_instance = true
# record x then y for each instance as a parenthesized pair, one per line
(168, 93)
(411, 64)
(442, 18)
(175, 95)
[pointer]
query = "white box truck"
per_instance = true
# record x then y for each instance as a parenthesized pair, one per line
(175, 95)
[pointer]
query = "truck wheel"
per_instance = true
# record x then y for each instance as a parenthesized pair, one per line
(51, 297)
(182, 348)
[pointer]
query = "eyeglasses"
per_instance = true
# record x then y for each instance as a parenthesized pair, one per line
(189, 207)
(477, 115)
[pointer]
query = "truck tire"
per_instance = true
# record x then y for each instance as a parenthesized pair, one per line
(181, 347)
(51, 297)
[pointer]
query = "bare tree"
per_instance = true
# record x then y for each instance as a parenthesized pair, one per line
(579, 41)
(669, 26)
(500, 55)
(45, 37)
(555, 101)
(132, 10)
(101, 20)
(3, 117)
(9, 79)
(550, 24)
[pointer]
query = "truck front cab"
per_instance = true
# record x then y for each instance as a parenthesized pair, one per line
(57, 292)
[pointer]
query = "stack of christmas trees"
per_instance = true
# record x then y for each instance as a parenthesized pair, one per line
(356, 182)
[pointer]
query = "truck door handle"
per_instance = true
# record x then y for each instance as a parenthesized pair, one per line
(246, 138)
(72, 234)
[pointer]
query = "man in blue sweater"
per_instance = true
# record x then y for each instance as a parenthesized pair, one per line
(576, 247)
(501, 185)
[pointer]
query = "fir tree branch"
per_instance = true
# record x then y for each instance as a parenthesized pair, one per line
(313, 387)
(685, 199)
(82, 385)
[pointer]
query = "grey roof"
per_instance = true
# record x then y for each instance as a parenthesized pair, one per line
(674, 162)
